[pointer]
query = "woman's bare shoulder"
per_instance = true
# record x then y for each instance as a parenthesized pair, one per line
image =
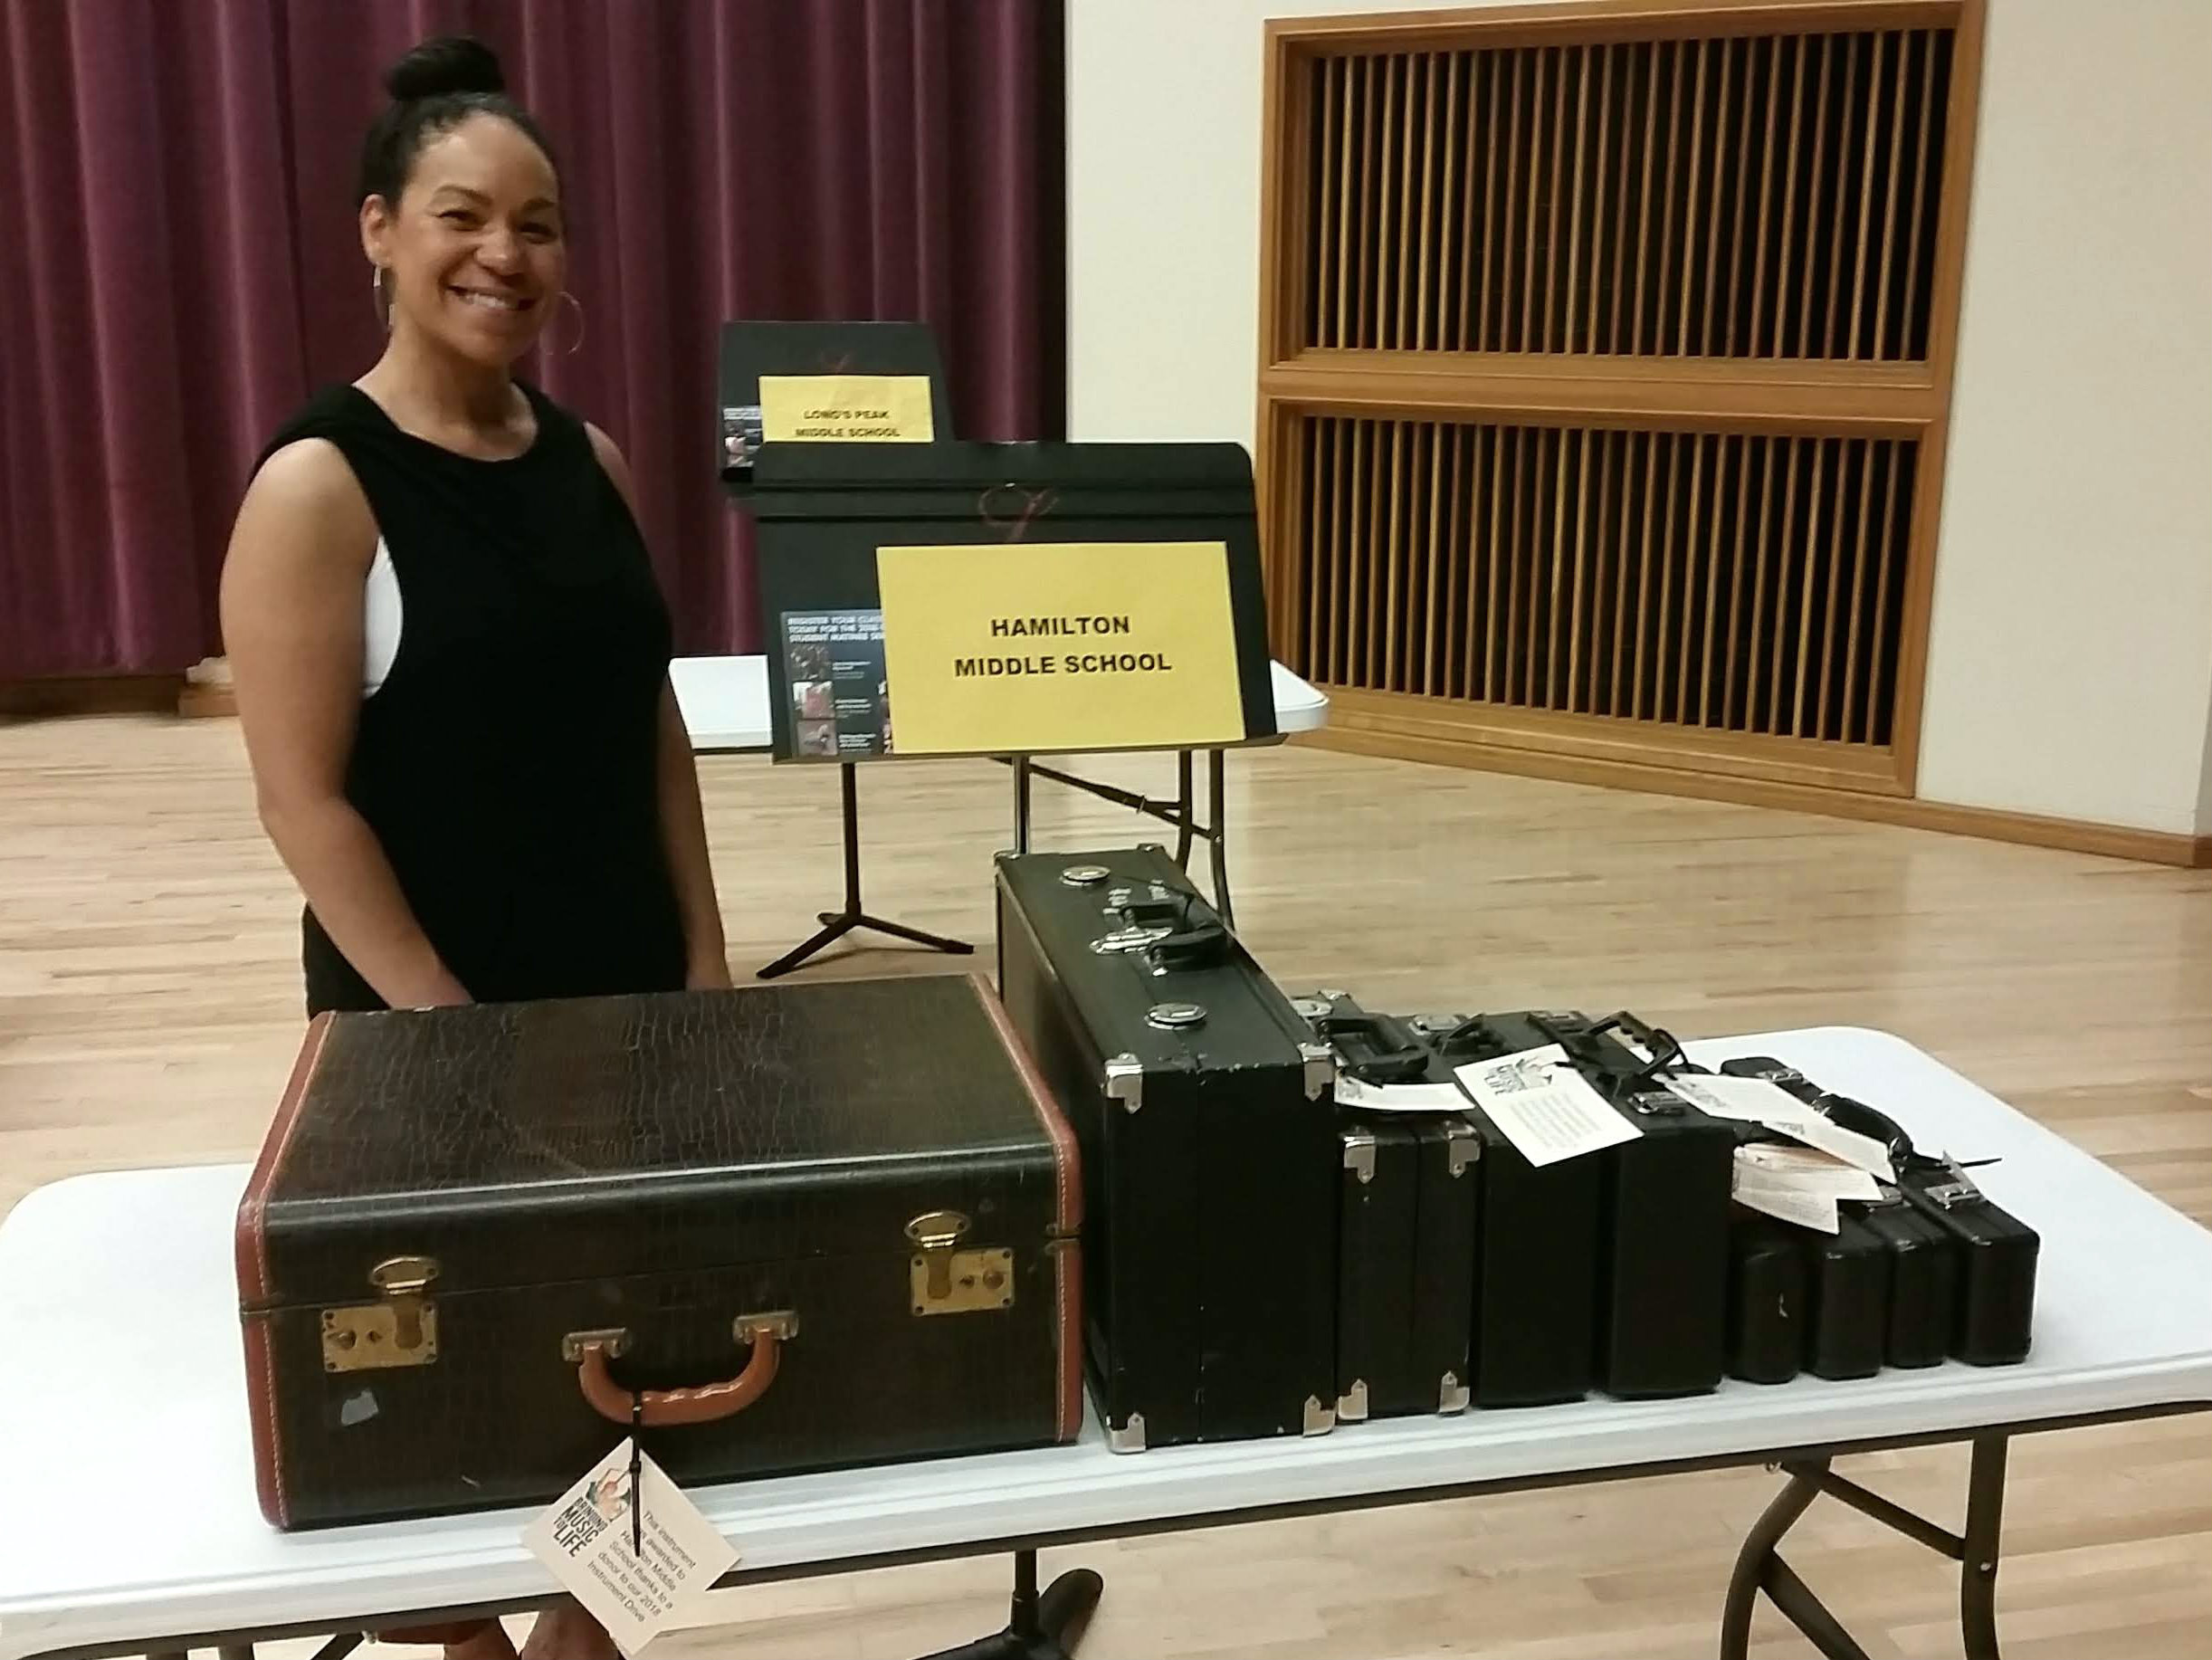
(304, 501)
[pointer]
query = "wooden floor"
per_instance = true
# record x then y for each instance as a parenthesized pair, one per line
(149, 1008)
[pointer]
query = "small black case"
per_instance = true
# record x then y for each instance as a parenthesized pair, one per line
(1923, 1279)
(1664, 1227)
(1536, 1263)
(1405, 1229)
(1994, 1317)
(1767, 1299)
(1847, 1307)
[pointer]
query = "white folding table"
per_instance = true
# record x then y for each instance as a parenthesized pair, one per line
(131, 1525)
(725, 705)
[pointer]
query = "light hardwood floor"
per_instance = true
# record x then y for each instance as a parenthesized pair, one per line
(149, 1009)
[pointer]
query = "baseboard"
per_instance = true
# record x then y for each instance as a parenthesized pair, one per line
(198, 701)
(94, 694)
(2070, 835)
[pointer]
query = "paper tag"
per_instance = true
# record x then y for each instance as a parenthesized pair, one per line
(1398, 1097)
(1810, 1170)
(1543, 1106)
(1754, 1101)
(1781, 1200)
(584, 1539)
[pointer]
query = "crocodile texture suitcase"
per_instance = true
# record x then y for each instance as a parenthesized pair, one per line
(1406, 1228)
(793, 1227)
(1209, 1143)
(1537, 1227)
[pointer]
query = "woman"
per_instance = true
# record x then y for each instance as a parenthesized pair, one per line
(450, 654)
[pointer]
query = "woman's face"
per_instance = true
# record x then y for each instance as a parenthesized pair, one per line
(476, 248)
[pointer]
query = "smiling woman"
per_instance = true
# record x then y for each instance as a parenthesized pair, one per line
(423, 559)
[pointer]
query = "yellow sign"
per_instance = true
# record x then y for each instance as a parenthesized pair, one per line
(1030, 647)
(846, 408)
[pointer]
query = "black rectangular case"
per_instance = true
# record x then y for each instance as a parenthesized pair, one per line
(1537, 1230)
(1766, 1298)
(1847, 1325)
(1406, 1228)
(1663, 1254)
(1202, 1104)
(1923, 1279)
(1994, 1312)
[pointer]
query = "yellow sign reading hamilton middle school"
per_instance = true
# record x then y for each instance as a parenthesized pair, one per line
(1024, 648)
(846, 408)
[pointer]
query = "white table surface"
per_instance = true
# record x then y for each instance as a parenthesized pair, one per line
(725, 701)
(131, 1510)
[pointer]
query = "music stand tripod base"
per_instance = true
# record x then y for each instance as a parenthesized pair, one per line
(836, 924)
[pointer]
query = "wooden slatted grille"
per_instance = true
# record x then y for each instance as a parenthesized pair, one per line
(1735, 582)
(1606, 359)
(1757, 197)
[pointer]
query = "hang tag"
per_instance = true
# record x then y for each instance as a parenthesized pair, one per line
(1398, 1097)
(586, 1539)
(1809, 1171)
(1543, 1106)
(1757, 1101)
(1772, 1195)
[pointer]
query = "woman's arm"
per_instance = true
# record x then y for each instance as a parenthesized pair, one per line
(684, 823)
(292, 623)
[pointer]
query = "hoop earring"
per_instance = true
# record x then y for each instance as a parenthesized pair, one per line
(581, 326)
(379, 298)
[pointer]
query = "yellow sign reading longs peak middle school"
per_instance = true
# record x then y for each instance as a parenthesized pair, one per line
(1030, 647)
(846, 408)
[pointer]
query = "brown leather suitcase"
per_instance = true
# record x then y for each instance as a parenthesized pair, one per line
(792, 1226)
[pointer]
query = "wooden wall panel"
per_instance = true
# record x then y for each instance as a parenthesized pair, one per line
(1609, 368)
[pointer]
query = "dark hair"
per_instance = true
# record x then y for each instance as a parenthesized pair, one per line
(435, 87)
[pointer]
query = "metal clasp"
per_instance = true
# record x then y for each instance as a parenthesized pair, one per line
(401, 1329)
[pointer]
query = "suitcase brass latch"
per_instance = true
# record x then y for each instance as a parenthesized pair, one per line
(950, 1282)
(401, 1329)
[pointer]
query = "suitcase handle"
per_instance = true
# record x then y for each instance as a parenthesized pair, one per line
(1376, 1048)
(592, 1352)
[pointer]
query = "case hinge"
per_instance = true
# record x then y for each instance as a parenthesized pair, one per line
(1125, 1081)
(1352, 1404)
(1463, 1147)
(1321, 1069)
(1127, 1437)
(1319, 1419)
(1360, 1154)
(1451, 1396)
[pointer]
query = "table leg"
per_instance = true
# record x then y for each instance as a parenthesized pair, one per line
(1985, 1514)
(1758, 1566)
(1021, 804)
(1744, 1584)
(1216, 772)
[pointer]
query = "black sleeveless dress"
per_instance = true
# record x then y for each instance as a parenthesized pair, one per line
(507, 763)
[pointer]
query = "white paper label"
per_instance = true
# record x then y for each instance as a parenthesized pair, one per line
(1398, 1097)
(1543, 1106)
(1808, 1170)
(1786, 1201)
(586, 1539)
(1754, 1101)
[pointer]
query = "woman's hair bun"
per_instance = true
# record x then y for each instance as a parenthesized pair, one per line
(451, 64)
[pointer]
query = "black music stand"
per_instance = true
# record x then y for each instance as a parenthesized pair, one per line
(748, 351)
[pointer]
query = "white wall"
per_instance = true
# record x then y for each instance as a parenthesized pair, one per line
(2070, 652)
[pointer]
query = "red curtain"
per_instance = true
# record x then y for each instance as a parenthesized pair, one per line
(181, 265)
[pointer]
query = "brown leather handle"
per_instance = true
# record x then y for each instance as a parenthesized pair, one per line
(666, 1408)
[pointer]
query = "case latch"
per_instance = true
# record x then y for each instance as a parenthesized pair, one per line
(946, 1281)
(401, 1329)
